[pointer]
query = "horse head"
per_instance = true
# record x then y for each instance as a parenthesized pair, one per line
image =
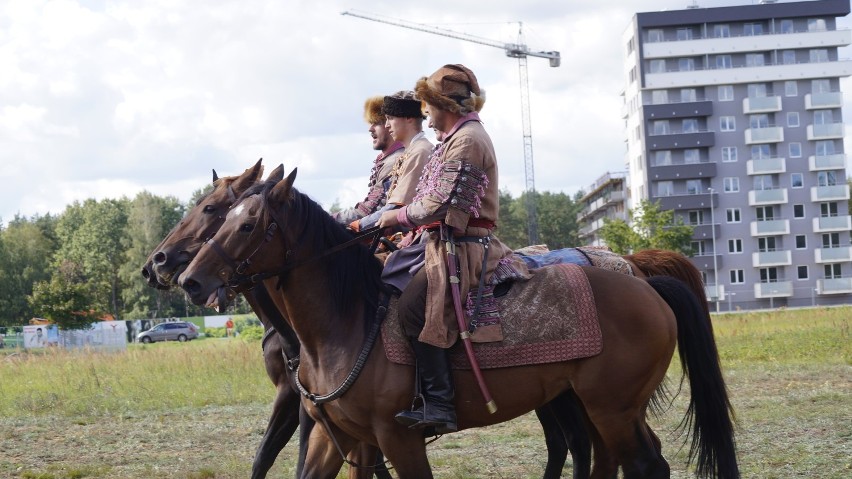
(178, 248)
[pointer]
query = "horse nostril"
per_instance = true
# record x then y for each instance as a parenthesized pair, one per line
(190, 285)
(146, 273)
(160, 257)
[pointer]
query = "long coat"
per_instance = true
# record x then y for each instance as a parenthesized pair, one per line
(466, 144)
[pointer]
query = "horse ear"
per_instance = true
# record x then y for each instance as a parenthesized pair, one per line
(277, 174)
(249, 177)
(283, 190)
(215, 176)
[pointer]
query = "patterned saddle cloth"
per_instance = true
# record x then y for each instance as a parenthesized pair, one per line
(537, 256)
(550, 318)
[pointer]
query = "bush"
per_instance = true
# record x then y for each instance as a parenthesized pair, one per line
(214, 332)
(252, 333)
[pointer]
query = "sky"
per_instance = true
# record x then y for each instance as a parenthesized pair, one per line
(104, 99)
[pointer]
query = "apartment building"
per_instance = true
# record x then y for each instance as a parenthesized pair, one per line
(605, 198)
(733, 119)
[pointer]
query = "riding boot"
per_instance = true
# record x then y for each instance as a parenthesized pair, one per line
(437, 409)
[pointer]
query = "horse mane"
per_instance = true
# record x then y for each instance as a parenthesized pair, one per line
(657, 262)
(352, 274)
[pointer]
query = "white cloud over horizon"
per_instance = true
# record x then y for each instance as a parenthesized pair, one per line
(103, 99)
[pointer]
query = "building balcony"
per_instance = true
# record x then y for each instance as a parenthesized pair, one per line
(829, 224)
(743, 44)
(821, 101)
(827, 131)
(777, 196)
(833, 255)
(705, 231)
(827, 162)
(683, 201)
(779, 289)
(681, 140)
(682, 171)
(705, 261)
(770, 228)
(714, 294)
(829, 193)
(769, 134)
(765, 259)
(766, 166)
(834, 286)
(766, 104)
(689, 109)
(766, 73)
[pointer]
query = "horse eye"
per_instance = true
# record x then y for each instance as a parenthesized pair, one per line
(247, 228)
(209, 209)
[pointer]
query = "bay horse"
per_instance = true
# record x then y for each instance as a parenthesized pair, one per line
(330, 301)
(561, 419)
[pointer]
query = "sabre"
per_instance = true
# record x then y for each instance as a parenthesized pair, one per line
(452, 264)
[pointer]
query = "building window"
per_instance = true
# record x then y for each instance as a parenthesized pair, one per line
(696, 217)
(665, 188)
(798, 211)
(832, 271)
(721, 31)
(826, 178)
(732, 184)
(655, 35)
(726, 92)
(630, 46)
(816, 25)
(821, 86)
(795, 150)
(733, 215)
(818, 55)
(801, 242)
(697, 248)
(691, 156)
(788, 57)
(758, 121)
(763, 182)
(685, 64)
(824, 147)
(735, 245)
(802, 272)
(768, 275)
(727, 123)
(659, 97)
(823, 117)
(693, 187)
(766, 244)
(752, 29)
(737, 276)
(684, 34)
(754, 59)
(661, 127)
(688, 95)
(831, 240)
(828, 210)
(791, 88)
(797, 180)
(662, 158)
(729, 154)
(658, 66)
(787, 26)
(689, 125)
(756, 90)
(723, 62)
(792, 119)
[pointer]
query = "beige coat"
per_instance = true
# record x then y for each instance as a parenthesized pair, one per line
(470, 144)
(408, 169)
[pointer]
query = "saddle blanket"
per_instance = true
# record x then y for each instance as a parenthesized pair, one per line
(538, 256)
(550, 318)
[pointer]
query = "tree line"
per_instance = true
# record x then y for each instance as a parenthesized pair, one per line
(85, 262)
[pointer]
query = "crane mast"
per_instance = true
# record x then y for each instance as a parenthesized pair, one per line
(513, 50)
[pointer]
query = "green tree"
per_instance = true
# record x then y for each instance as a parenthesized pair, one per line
(557, 220)
(652, 228)
(149, 219)
(65, 299)
(25, 251)
(511, 224)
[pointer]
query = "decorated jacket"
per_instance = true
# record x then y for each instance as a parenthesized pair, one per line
(376, 195)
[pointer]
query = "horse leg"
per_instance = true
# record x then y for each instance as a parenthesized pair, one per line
(406, 450)
(282, 424)
(364, 456)
(565, 412)
(322, 459)
(306, 427)
(381, 469)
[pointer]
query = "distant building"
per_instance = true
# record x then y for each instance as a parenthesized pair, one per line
(733, 119)
(605, 198)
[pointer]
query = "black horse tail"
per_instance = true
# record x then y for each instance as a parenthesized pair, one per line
(709, 415)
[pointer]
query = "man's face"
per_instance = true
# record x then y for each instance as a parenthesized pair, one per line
(439, 135)
(381, 136)
(396, 127)
(438, 119)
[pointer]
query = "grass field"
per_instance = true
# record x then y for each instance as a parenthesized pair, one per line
(198, 410)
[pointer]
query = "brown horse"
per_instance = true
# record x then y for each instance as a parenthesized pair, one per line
(561, 419)
(326, 297)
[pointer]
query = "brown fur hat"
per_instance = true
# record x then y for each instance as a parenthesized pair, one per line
(373, 110)
(452, 88)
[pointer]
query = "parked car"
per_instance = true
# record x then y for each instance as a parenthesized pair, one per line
(172, 331)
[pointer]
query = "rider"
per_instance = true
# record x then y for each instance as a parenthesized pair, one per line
(458, 191)
(405, 124)
(380, 175)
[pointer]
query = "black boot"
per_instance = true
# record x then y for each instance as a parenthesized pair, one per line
(436, 380)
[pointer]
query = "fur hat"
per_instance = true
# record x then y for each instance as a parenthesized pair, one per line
(403, 104)
(452, 88)
(373, 110)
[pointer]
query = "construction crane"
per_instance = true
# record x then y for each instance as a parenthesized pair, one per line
(513, 50)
